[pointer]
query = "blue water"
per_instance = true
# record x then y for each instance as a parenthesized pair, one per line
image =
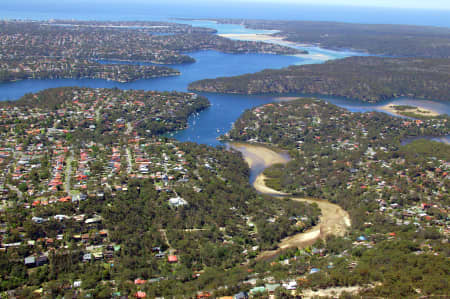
(209, 64)
(225, 109)
(162, 10)
(223, 28)
(206, 126)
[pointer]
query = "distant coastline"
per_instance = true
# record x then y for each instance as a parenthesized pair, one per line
(21, 9)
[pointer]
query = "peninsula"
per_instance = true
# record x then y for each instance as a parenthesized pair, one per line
(396, 195)
(376, 39)
(72, 49)
(369, 79)
(94, 201)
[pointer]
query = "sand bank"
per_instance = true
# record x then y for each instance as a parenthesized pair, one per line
(253, 37)
(260, 186)
(286, 99)
(279, 40)
(333, 221)
(422, 111)
(259, 154)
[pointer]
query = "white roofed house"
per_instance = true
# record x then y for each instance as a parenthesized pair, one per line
(177, 201)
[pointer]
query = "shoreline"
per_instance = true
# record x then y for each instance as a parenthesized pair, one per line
(333, 221)
(261, 37)
(419, 110)
(260, 186)
(279, 40)
(257, 154)
(251, 37)
(286, 99)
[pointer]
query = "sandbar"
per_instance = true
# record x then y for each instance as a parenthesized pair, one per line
(258, 153)
(421, 111)
(333, 221)
(252, 37)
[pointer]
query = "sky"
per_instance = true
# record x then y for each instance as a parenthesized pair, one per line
(405, 4)
(409, 4)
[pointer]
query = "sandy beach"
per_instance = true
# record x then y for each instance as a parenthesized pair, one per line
(259, 154)
(286, 99)
(263, 38)
(279, 40)
(260, 186)
(253, 37)
(422, 111)
(317, 56)
(333, 221)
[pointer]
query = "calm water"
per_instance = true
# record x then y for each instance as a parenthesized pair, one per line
(162, 10)
(210, 64)
(206, 126)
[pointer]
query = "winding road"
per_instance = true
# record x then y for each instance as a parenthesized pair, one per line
(333, 221)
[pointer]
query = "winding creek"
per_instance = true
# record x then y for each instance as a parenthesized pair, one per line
(333, 221)
(206, 126)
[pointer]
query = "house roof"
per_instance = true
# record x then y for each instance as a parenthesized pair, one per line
(30, 260)
(172, 258)
(140, 294)
(139, 281)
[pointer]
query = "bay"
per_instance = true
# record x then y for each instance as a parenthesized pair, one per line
(206, 126)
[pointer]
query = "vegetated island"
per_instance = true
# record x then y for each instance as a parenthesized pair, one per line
(379, 39)
(396, 195)
(369, 79)
(93, 201)
(72, 49)
(411, 111)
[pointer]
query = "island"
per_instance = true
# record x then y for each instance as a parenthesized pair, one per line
(411, 111)
(369, 79)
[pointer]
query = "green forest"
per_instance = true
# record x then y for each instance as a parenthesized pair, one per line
(370, 79)
(94, 202)
(396, 194)
(378, 39)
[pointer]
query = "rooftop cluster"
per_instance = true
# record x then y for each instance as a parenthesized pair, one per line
(93, 199)
(67, 49)
(394, 187)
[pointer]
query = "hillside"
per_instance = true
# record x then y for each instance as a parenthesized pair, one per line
(378, 39)
(397, 196)
(369, 79)
(93, 201)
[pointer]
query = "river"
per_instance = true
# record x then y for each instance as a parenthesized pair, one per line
(207, 125)
(333, 220)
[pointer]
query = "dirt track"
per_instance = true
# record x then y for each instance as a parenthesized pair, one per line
(333, 221)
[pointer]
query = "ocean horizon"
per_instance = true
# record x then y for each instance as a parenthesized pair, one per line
(83, 10)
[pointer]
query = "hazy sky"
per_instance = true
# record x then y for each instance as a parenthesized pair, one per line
(421, 4)
(407, 4)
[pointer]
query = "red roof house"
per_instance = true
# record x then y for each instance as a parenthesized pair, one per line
(172, 259)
